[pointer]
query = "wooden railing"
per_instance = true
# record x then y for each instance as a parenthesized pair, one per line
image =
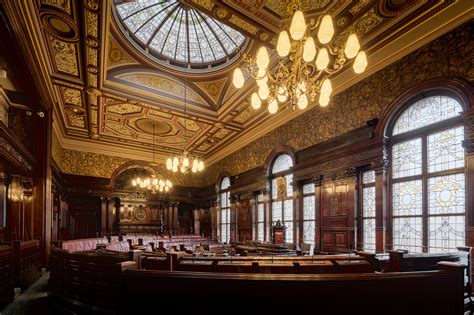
(428, 292)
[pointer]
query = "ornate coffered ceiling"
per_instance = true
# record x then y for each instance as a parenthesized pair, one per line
(107, 93)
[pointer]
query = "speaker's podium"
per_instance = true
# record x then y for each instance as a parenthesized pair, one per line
(278, 231)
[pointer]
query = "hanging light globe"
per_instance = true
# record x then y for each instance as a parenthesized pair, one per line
(283, 44)
(298, 25)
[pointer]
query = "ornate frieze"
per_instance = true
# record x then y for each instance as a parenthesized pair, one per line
(17, 155)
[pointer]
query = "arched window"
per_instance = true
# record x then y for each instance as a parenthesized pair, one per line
(282, 193)
(427, 176)
(225, 210)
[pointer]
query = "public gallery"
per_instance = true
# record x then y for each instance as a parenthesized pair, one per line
(236, 156)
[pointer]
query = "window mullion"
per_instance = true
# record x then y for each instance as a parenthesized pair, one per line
(424, 185)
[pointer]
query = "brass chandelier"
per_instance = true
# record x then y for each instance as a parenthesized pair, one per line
(155, 183)
(185, 161)
(302, 71)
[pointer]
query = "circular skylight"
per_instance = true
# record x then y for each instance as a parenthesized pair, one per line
(173, 31)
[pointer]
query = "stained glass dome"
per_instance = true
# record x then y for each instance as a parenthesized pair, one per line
(173, 31)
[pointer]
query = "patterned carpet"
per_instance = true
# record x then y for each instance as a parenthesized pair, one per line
(33, 301)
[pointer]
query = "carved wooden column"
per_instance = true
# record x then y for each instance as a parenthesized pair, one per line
(42, 178)
(176, 222)
(214, 220)
(117, 216)
(103, 215)
(468, 144)
(317, 180)
(268, 209)
(297, 215)
(234, 209)
(380, 168)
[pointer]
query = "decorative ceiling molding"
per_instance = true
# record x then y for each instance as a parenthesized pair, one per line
(106, 94)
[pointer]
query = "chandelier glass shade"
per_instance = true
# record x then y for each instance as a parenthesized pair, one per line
(152, 183)
(301, 73)
(184, 163)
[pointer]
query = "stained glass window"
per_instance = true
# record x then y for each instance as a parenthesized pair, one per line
(178, 32)
(225, 210)
(428, 186)
(406, 158)
(368, 211)
(407, 198)
(260, 219)
(408, 234)
(276, 211)
(445, 150)
(426, 112)
(282, 163)
(309, 215)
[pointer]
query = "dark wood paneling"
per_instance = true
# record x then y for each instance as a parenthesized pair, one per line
(244, 220)
(337, 216)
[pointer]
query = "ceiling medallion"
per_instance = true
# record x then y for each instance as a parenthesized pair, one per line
(185, 161)
(296, 78)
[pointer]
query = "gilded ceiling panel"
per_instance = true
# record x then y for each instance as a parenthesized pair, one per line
(64, 5)
(65, 56)
(213, 89)
(117, 56)
(162, 84)
(124, 109)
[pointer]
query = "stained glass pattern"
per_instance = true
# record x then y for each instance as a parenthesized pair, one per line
(274, 189)
(368, 202)
(308, 232)
(407, 158)
(407, 234)
(276, 211)
(426, 112)
(308, 208)
(407, 198)
(368, 177)
(308, 189)
(282, 163)
(368, 235)
(260, 232)
(446, 194)
(446, 233)
(445, 150)
(288, 210)
(225, 225)
(177, 32)
(289, 232)
(260, 221)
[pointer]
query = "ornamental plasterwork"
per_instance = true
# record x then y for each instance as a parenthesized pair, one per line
(220, 116)
(162, 84)
(280, 7)
(65, 56)
(117, 56)
(213, 88)
(8, 147)
(63, 5)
